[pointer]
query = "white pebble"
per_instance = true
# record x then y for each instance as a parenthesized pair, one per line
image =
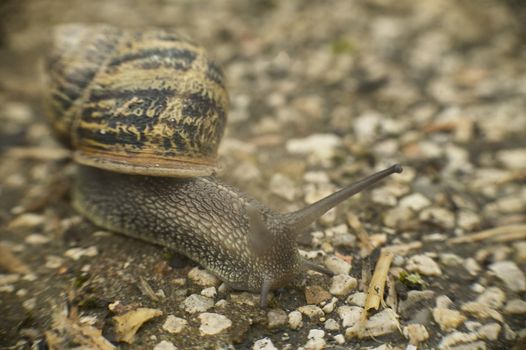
(295, 320)
(357, 299)
(37, 239)
(416, 333)
(77, 253)
(339, 338)
(349, 315)
(415, 201)
(202, 277)
(165, 345)
(337, 266)
(342, 285)
(209, 292)
(174, 324)
(384, 322)
(264, 344)
(510, 274)
(515, 306)
(197, 303)
(316, 333)
(331, 325)
(212, 323)
(282, 186)
(423, 265)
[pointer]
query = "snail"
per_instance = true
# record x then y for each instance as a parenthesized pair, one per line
(144, 112)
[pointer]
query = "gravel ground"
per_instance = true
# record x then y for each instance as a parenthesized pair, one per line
(322, 93)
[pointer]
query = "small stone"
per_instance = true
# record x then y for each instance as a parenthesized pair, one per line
(276, 318)
(127, 325)
(443, 302)
(316, 295)
(423, 265)
(450, 259)
(174, 324)
(331, 325)
(515, 306)
(416, 333)
(316, 177)
(322, 146)
(37, 239)
(294, 319)
(30, 304)
(457, 337)
(282, 186)
(439, 216)
(379, 324)
(26, 221)
(520, 254)
(315, 344)
(197, 303)
(209, 292)
(212, 323)
(8, 278)
(472, 266)
(53, 262)
(339, 338)
(415, 201)
(165, 345)
(342, 285)
(415, 300)
(337, 266)
(383, 196)
(513, 158)
(203, 278)
(510, 274)
(395, 216)
(448, 319)
(357, 299)
(468, 220)
(221, 303)
(493, 297)
(349, 315)
(481, 311)
(77, 253)
(477, 288)
(316, 333)
(343, 240)
(472, 325)
(489, 331)
(311, 311)
(264, 344)
(329, 307)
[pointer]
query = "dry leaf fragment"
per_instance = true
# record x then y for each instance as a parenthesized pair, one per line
(128, 324)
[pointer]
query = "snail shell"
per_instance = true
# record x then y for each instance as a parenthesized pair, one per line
(148, 102)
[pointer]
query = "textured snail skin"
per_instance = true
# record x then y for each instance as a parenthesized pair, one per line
(245, 244)
(199, 217)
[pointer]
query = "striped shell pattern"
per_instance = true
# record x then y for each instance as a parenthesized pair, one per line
(138, 102)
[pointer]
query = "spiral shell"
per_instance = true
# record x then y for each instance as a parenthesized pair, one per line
(137, 102)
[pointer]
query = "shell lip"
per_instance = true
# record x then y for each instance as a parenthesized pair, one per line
(149, 165)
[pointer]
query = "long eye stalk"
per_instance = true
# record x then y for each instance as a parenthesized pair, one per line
(304, 217)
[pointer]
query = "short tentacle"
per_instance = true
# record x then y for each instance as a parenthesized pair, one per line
(309, 265)
(265, 289)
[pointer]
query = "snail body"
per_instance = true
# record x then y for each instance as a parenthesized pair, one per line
(144, 113)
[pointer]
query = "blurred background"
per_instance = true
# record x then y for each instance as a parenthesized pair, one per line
(321, 92)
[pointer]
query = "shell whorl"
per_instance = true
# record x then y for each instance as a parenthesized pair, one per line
(147, 102)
